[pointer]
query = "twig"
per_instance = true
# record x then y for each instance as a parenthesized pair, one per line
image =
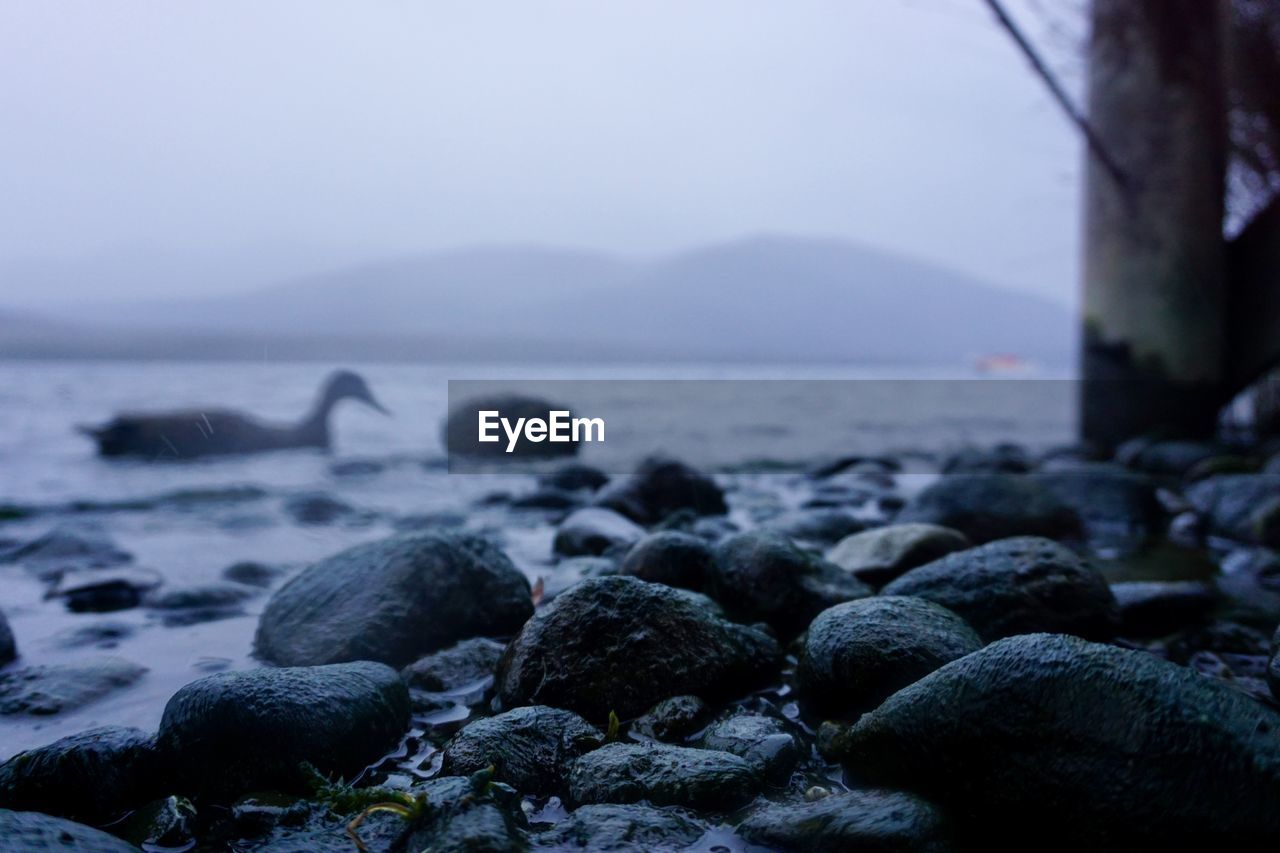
(1094, 142)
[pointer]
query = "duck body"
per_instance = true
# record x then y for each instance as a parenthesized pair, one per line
(207, 432)
(202, 432)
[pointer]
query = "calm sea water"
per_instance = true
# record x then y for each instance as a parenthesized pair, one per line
(238, 512)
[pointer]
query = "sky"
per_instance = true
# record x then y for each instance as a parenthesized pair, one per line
(246, 140)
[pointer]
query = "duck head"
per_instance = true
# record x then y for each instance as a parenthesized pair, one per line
(347, 385)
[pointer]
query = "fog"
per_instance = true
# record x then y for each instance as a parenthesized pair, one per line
(154, 148)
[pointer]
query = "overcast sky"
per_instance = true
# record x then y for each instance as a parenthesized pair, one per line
(274, 136)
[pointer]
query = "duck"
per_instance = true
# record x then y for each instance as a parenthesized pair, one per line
(192, 433)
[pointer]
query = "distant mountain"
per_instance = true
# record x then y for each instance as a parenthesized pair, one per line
(760, 299)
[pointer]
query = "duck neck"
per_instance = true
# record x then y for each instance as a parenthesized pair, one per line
(315, 426)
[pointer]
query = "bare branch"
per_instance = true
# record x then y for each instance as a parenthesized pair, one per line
(1042, 70)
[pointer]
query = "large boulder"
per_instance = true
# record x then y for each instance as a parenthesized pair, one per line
(622, 828)
(1021, 585)
(663, 775)
(879, 555)
(592, 531)
(529, 748)
(1239, 506)
(670, 557)
(1080, 746)
(45, 689)
(855, 655)
(33, 832)
(867, 821)
(761, 576)
(985, 507)
(94, 776)
(659, 487)
(237, 731)
(620, 644)
(461, 430)
(393, 601)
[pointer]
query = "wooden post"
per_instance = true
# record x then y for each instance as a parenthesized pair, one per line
(1154, 268)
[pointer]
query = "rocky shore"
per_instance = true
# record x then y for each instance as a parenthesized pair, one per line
(987, 650)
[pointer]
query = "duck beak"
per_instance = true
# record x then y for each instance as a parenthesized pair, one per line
(376, 406)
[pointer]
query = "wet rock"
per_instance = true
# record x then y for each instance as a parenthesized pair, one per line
(1157, 608)
(622, 828)
(443, 520)
(8, 648)
(593, 531)
(839, 495)
(1172, 458)
(550, 499)
(357, 467)
(1002, 458)
(204, 601)
(985, 507)
(104, 590)
(1226, 463)
(620, 644)
(878, 556)
(54, 688)
(33, 831)
(1222, 637)
(213, 594)
(763, 742)
(318, 508)
(574, 477)
(764, 577)
(393, 601)
(530, 748)
(279, 824)
(670, 557)
(236, 731)
(842, 465)
(673, 719)
(1117, 507)
(1069, 717)
(1239, 506)
(467, 813)
(1245, 673)
(1021, 585)
(659, 487)
(663, 775)
(855, 655)
(461, 429)
(103, 635)
(68, 548)
(570, 571)
(456, 667)
(871, 821)
(252, 573)
(92, 776)
(169, 822)
(819, 526)
(1273, 668)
